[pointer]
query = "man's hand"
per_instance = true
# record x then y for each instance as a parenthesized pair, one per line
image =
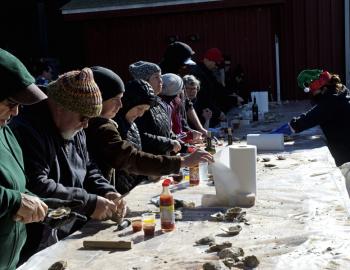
(196, 157)
(32, 209)
(104, 209)
(176, 146)
(120, 206)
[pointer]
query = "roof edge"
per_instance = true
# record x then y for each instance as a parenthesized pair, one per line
(132, 6)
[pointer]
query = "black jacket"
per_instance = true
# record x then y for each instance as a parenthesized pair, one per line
(56, 167)
(155, 130)
(125, 181)
(332, 113)
(137, 92)
(207, 97)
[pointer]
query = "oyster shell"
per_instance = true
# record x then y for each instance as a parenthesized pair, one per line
(59, 212)
(265, 159)
(251, 261)
(218, 216)
(206, 240)
(232, 252)
(60, 265)
(219, 247)
(233, 230)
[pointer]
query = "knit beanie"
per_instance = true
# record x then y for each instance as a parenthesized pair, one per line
(137, 92)
(172, 84)
(109, 83)
(313, 79)
(143, 70)
(77, 91)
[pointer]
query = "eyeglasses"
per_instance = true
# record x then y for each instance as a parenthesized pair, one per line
(11, 104)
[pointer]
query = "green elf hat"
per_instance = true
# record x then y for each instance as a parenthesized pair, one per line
(313, 79)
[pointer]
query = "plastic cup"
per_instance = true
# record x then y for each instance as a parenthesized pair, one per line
(148, 224)
(203, 171)
(136, 224)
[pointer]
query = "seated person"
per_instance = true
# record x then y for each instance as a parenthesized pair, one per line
(192, 87)
(154, 126)
(173, 95)
(111, 152)
(17, 207)
(55, 154)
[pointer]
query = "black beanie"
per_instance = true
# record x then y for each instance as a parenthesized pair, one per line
(137, 92)
(110, 83)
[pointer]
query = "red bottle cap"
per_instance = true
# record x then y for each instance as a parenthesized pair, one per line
(191, 149)
(166, 182)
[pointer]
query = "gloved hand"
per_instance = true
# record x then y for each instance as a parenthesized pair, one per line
(58, 222)
(60, 214)
(284, 129)
(54, 203)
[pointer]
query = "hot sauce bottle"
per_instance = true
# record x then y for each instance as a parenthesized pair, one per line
(194, 170)
(166, 205)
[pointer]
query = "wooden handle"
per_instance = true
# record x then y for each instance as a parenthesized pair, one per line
(94, 244)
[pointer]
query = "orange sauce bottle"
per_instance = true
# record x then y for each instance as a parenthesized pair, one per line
(166, 205)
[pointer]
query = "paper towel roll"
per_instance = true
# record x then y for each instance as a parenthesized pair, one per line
(243, 164)
(266, 141)
(234, 173)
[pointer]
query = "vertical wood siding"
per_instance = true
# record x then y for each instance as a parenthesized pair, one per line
(310, 33)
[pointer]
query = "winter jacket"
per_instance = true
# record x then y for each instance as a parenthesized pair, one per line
(111, 152)
(55, 168)
(331, 112)
(207, 97)
(155, 129)
(137, 92)
(12, 184)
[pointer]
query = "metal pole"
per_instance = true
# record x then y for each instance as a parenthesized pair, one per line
(278, 79)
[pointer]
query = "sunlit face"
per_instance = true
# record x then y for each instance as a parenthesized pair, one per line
(156, 82)
(8, 108)
(136, 112)
(111, 106)
(69, 123)
(191, 91)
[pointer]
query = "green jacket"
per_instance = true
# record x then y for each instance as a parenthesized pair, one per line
(12, 184)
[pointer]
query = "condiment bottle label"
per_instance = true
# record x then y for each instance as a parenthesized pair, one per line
(167, 214)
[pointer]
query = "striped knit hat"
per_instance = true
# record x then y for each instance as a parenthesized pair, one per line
(77, 91)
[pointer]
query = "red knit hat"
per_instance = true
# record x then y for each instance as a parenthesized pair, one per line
(214, 54)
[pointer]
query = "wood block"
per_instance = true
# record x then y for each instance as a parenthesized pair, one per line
(94, 244)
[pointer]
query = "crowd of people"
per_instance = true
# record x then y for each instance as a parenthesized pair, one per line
(90, 137)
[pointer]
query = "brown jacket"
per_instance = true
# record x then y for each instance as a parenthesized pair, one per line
(110, 152)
